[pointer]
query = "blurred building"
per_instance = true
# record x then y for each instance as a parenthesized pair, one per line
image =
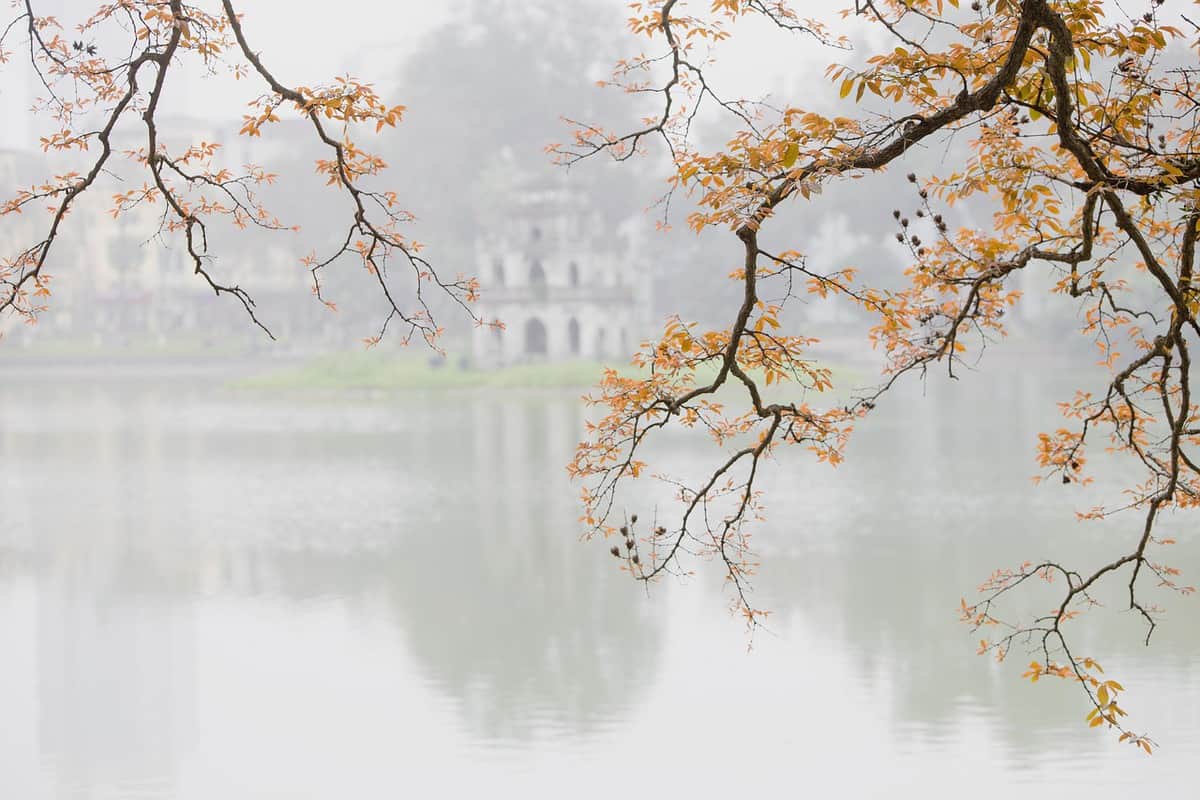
(564, 285)
(131, 278)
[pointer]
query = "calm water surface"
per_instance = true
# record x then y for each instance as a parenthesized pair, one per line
(212, 594)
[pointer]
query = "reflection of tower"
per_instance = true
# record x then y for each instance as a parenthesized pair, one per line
(563, 285)
(532, 630)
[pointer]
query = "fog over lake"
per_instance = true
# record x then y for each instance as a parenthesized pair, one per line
(207, 592)
(236, 566)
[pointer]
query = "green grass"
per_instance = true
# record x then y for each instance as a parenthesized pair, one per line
(381, 372)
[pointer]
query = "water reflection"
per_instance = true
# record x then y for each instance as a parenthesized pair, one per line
(133, 503)
(512, 614)
(935, 494)
(220, 594)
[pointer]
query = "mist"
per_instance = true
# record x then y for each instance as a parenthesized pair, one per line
(308, 564)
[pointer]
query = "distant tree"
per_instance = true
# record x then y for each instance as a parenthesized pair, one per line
(109, 74)
(490, 89)
(1083, 129)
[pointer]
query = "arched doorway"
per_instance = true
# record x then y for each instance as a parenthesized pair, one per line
(573, 336)
(535, 337)
(537, 275)
(601, 348)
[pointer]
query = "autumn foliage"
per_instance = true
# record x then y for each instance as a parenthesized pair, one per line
(103, 81)
(1082, 124)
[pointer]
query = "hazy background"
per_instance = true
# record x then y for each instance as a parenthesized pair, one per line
(487, 84)
(242, 569)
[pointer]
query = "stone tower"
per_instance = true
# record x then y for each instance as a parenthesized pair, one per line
(564, 286)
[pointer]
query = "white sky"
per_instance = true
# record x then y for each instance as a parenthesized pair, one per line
(302, 42)
(310, 42)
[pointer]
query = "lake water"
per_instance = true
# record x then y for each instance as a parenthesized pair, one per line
(207, 593)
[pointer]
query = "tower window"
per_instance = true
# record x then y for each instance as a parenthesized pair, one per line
(537, 275)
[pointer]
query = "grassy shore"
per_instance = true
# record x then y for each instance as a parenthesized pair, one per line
(367, 370)
(376, 371)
